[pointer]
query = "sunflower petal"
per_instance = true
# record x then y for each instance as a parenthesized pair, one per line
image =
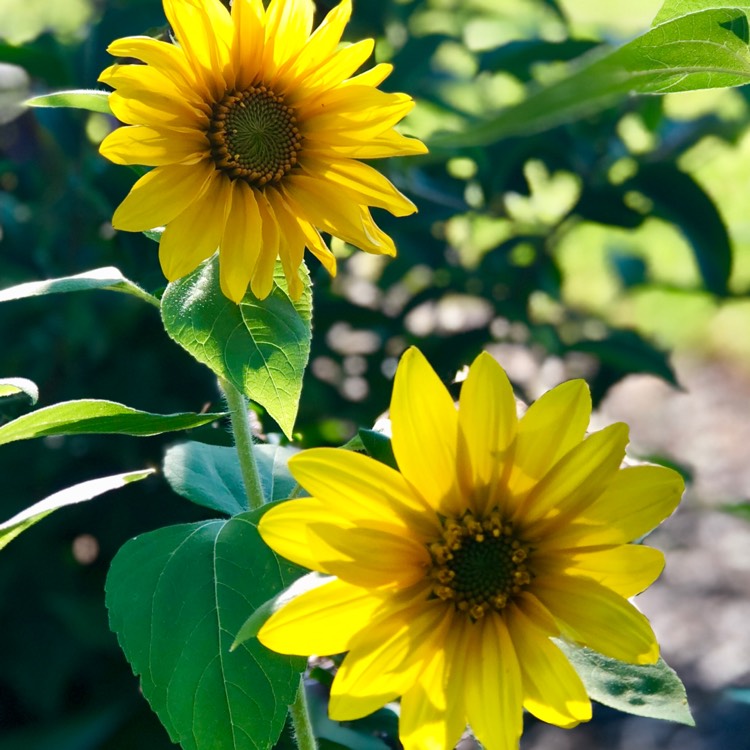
(552, 690)
(262, 281)
(195, 234)
(153, 147)
(322, 621)
(552, 426)
(597, 617)
(425, 431)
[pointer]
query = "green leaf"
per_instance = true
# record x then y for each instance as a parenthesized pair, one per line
(76, 494)
(177, 597)
(686, 205)
(260, 346)
(741, 510)
(210, 475)
(90, 99)
(92, 416)
(697, 51)
(379, 447)
(652, 690)
(16, 386)
(99, 278)
(677, 8)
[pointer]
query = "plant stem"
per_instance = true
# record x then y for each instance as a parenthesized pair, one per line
(303, 732)
(243, 441)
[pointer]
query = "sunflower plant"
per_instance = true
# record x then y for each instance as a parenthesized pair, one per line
(469, 562)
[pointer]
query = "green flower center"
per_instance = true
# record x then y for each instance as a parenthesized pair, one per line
(479, 564)
(254, 136)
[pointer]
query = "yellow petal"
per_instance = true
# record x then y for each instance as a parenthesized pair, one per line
(320, 46)
(487, 419)
(381, 146)
(575, 481)
(361, 489)
(241, 243)
(154, 147)
(362, 181)
(322, 621)
(428, 720)
(594, 616)
(553, 425)
(318, 247)
(334, 212)
(195, 234)
(341, 65)
(288, 25)
(284, 529)
(204, 30)
(552, 690)
(248, 40)
(372, 77)
(381, 664)
(627, 569)
(161, 195)
(425, 432)
(292, 248)
(262, 281)
(638, 499)
(494, 698)
(367, 557)
(168, 59)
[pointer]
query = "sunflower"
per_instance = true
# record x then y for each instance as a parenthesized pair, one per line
(451, 577)
(255, 128)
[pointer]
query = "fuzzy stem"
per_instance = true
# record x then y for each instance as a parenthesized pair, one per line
(303, 732)
(243, 441)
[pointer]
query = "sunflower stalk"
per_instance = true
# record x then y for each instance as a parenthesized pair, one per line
(300, 715)
(243, 441)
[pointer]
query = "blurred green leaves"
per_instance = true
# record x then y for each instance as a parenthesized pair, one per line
(89, 99)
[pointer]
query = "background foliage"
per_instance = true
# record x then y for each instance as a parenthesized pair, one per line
(594, 242)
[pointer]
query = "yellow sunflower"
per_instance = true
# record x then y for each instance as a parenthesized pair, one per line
(451, 576)
(255, 127)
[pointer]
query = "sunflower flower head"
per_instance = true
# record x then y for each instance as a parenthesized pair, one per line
(451, 578)
(255, 126)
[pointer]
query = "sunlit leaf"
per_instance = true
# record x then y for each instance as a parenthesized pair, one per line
(177, 597)
(70, 496)
(698, 51)
(260, 346)
(16, 386)
(90, 99)
(652, 690)
(676, 8)
(99, 278)
(210, 475)
(93, 416)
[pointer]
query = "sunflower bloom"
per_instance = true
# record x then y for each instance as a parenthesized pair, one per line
(450, 577)
(254, 127)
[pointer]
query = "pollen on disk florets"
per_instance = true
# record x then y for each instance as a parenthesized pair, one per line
(478, 564)
(254, 136)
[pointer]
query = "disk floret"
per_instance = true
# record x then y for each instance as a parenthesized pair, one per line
(254, 136)
(478, 563)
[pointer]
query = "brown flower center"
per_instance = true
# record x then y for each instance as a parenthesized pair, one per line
(254, 136)
(479, 564)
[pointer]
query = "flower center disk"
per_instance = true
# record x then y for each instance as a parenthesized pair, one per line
(254, 136)
(478, 564)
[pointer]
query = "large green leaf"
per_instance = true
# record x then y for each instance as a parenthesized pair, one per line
(677, 8)
(70, 496)
(99, 278)
(90, 99)
(260, 346)
(210, 475)
(702, 50)
(17, 386)
(92, 416)
(177, 597)
(652, 690)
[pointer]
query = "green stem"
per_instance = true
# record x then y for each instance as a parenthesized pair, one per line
(303, 732)
(243, 441)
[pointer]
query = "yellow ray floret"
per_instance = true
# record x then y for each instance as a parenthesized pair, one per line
(254, 123)
(451, 576)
